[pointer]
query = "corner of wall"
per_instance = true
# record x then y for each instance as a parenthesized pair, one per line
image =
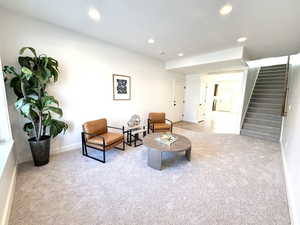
(66, 148)
(9, 200)
(287, 183)
(7, 188)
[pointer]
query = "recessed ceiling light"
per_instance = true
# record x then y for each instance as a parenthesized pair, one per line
(180, 54)
(241, 39)
(226, 9)
(151, 41)
(94, 14)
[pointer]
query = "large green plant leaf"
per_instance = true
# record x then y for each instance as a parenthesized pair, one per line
(27, 73)
(48, 73)
(20, 103)
(56, 127)
(53, 67)
(44, 59)
(48, 100)
(47, 119)
(28, 128)
(10, 70)
(28, 48)
(15, 84)
(25, 106)
(54, 73)
(33, 96)
(53, 62)
(26, 61)
(34, 115)
(25, 109)
(56, 110)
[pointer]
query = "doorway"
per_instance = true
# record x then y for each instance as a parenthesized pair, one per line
(178, 100)
(214, 106)
(226, 95)
(221, 102)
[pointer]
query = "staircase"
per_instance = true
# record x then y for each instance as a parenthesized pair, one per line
(264, 114)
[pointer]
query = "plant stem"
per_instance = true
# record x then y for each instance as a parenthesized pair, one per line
(40, 116)
(40, 126)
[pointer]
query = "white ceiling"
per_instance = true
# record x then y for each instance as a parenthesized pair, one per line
(188, 26)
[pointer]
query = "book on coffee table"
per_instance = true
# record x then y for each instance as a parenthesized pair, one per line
(167, 139)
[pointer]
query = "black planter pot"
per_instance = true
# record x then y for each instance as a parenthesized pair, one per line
(40, 150)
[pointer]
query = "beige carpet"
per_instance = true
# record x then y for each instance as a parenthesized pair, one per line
(231, 180)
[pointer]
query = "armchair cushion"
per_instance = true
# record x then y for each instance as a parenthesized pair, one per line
(162, 126)
(95, 127)
(157, 117)
(110, 138)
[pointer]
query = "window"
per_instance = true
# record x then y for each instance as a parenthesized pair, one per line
(5, 129)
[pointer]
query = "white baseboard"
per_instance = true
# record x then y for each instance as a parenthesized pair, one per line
(58, 150)
(66, 148)
(9, 199)
(288, 186)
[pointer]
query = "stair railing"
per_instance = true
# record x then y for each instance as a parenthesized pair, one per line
(250, 96)
(285, 93)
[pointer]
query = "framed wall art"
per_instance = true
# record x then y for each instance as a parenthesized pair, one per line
(121, 87)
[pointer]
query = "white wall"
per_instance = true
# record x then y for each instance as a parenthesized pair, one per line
(7, 181)
(84, 88)
(251, 76)
(5, 128)
(7, 159)
(291, 140)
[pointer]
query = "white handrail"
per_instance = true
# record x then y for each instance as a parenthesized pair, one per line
(249, 99)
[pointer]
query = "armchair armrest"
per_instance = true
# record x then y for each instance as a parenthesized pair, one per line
(148, 125)
(117, 128)
(169, 121)
(93, 135)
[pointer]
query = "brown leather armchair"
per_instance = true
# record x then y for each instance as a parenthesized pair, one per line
(95, 135)
(157, 122)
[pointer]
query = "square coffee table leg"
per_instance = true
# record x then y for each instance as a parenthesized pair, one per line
(154, 158)
(188, 154)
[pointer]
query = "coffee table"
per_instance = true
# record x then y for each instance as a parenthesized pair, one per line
(155, 148)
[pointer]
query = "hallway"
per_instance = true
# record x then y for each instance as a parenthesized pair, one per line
(218, 122)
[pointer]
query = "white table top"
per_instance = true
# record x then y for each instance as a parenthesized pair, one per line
(127, 128)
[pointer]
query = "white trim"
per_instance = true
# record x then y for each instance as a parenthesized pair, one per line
(9, 199)
(59, 150)
(249, 99)
(289, 191)
(66, 148)
(5, 131)
(242, 114)
(5, 149)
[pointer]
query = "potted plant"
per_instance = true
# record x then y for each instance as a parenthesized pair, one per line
(34, 103)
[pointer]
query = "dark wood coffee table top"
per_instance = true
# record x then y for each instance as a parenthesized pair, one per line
(181, 144)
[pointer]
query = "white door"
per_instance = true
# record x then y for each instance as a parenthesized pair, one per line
(192, 98)
(178, 100)
(202, 103)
